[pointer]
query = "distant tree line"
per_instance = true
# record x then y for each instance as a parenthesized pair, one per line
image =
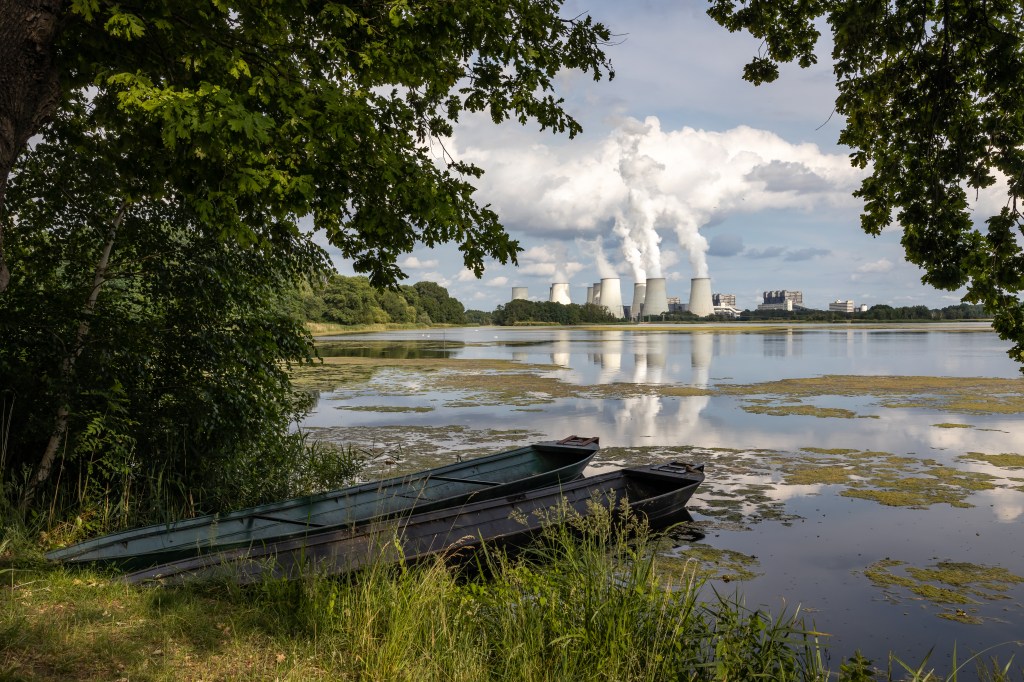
(525, 312)
(354, 301)
(962, 311)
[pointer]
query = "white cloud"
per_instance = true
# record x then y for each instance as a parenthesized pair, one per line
(497, 282)
(882, 265)
(414, 263)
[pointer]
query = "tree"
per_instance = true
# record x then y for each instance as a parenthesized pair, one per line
(934, 109)
(228, 122)
(266, 112)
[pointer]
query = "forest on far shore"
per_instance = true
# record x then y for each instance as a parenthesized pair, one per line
(354, 301)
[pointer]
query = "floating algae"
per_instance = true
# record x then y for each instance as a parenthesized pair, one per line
(1006, 460)
(953, 394)
(944, 583)
(948, 425)
(719, 564)
(802, 410)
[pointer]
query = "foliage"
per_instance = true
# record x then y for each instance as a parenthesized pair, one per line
(932, 109)
(252, 113)
(176, 382)
(523, 311)
(354, 301)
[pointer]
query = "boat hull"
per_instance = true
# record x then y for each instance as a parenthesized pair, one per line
(658, 493)
(534, 466)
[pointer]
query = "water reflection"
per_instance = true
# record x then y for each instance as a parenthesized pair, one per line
(819, 559)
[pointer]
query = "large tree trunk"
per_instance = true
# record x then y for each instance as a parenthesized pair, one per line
(28, 85)
(60, 422)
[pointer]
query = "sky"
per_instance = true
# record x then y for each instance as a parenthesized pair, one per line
(683, 169)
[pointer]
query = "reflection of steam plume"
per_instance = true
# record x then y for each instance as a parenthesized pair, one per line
(610, 356)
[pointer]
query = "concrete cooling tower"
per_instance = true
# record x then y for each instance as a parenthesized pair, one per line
(637, 308)
(597, 293)
(611, 296)
(590, 294)
(519, 293)
(700, 297)
(655, 297)
(560, 293)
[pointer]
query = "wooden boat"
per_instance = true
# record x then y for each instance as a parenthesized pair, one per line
(658, 492)
(503, 473)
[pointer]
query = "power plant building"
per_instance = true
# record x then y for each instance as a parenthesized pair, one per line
(782, 299)
(559, 293)
(700, 297)
(838, 306)
(611, 296)
(520, 293)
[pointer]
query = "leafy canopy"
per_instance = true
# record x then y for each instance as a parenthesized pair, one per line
(267, 112)
(934, 108)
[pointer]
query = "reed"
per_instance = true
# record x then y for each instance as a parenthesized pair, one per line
(589, 600)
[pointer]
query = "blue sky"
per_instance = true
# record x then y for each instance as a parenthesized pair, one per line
(682, 166)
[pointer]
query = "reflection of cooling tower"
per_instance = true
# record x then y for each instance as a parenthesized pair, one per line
(519, 293)
(655, 298)
(597, 293)
(639, 291)
(611, 296)
(700, 297)
(590, 294)
(560, 293)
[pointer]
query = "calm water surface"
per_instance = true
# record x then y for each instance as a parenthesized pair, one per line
(813, 550)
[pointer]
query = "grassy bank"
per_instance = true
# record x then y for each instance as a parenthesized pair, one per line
(590, 609)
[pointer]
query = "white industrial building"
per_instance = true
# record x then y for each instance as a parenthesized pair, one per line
(838, 306)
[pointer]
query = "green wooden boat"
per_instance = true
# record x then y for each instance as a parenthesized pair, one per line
(504, 473)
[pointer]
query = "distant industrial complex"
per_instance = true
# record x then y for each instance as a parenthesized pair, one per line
(650, 299)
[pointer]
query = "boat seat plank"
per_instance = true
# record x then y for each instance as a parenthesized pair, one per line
(452, 479)
(276, 519)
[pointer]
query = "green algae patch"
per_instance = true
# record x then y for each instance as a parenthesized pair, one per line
(1006, 460)
(385, 408)
(801, 410)
(805, 474)
(955, 394)
(721, 564)
(919, 485)
(950, 425)
(944, 583)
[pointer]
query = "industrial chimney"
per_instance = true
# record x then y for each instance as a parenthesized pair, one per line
(655, 297)
(700, 297)
(590, 294)
(611, 296)
(637, 308)
(519, 293)
(560, 293)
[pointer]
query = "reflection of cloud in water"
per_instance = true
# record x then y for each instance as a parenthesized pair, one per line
(638, 416)
(1007, 505)
(560, 359)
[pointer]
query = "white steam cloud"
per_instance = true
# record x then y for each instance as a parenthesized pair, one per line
(641, 184)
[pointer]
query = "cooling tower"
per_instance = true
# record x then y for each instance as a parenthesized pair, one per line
(611, 295)
(590, 294)
(637, 309)
(560, 293)
(655, 297)
(597, 293)
(519, 293)
(700, 297)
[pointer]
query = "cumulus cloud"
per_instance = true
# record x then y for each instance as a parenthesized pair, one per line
(880, 266)
(726, 245)
(641, 183)
(768, 252)
(414, 263)
(805, 254)
(497, 282)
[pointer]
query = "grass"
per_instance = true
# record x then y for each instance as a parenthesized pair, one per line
(589, 601)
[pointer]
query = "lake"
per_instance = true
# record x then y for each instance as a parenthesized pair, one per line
(870, 476)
